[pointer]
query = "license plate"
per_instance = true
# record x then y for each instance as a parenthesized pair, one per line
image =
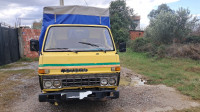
(78, 95)
(73, 95)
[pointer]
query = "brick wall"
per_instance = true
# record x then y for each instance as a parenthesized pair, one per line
(27, 35)
(135, 34)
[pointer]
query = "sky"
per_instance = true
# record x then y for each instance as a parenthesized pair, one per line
(31, 10)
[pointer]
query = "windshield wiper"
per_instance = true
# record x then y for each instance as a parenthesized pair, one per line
(72, 51)
(94, 45)
(56, 48)
(89, 44)
(65, 49)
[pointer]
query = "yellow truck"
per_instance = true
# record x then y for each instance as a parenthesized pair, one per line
(77, 58)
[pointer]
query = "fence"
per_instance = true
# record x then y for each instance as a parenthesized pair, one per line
(9, 46)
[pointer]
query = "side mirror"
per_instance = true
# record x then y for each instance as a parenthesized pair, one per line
(122, 47)
(34, 45)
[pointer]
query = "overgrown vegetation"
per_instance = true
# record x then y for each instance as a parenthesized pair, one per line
(187, 50)
(180, 73)
(170, 33)
(120, 19)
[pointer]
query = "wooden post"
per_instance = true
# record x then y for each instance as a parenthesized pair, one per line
(61, 2)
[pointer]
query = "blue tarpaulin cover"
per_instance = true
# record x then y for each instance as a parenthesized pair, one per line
(73, 15)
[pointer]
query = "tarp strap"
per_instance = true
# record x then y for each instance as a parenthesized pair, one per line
(55, 17)
(100, 20)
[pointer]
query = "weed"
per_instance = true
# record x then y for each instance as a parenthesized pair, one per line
(28, 59)
(16, 64)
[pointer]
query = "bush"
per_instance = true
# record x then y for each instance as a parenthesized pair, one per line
(143, 45)
(161, 51)
(190, 50)
(192, 39)
(139, 44)
(184, 50)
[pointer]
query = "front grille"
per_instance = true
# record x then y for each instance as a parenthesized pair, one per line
(80, 80)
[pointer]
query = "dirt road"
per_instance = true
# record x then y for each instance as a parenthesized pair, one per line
(135, 96)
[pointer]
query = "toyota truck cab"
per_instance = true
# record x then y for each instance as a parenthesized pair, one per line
(77, 61)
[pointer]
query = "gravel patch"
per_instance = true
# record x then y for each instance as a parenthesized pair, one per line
(136, 97)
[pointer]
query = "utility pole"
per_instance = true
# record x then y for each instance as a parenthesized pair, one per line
(61, 2)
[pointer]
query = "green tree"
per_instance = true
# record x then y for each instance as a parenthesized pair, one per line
(163, 8)
(167, 27)
(185, 23)
(161, 29)
(121, 22)
(196, 30)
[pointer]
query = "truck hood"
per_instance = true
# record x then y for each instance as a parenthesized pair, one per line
(91, 62)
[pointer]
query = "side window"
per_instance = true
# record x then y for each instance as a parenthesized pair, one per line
(49, 39)
(108, 38)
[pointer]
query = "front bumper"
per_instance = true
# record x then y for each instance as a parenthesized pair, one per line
(81, 95)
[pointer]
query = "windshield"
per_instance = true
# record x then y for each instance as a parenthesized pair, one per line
(72, 39)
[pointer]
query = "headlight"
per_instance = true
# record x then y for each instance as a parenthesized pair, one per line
(104, 81)
(47, 84)
(112, 81)
(56, 83)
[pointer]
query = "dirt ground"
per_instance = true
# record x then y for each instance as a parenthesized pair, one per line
(135, 96)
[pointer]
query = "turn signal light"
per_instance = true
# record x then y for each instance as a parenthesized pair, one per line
(43, 71)
(115, 69)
